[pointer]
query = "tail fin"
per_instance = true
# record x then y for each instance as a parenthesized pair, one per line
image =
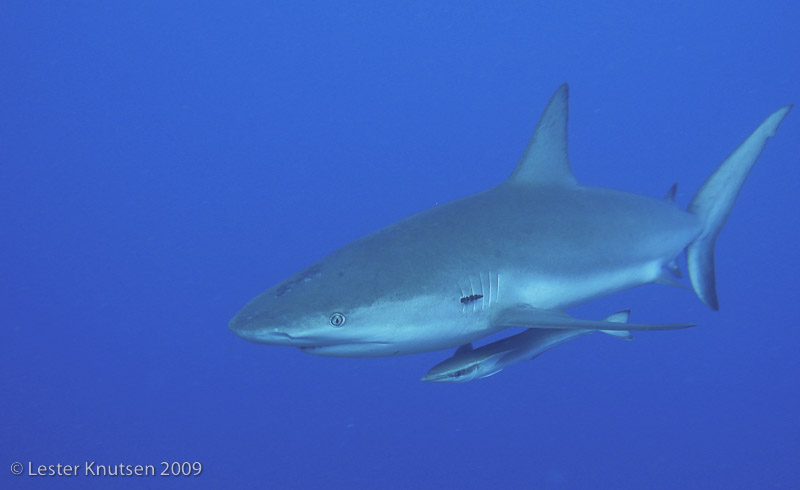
(713, 203)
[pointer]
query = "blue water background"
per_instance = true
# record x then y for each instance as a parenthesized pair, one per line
(161, 163)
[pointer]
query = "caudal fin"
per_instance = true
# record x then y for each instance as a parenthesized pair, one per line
(713, 203)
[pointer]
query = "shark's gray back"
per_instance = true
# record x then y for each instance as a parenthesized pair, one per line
(510, 228)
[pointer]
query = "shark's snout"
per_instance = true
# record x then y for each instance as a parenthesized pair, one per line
(254, 329)
(432, 377)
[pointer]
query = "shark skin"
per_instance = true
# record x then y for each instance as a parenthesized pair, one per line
(517, 254)
(468, 364)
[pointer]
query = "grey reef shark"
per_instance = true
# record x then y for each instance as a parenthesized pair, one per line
(516, 255)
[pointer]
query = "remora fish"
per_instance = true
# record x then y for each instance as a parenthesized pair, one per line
(468, 363)
(517, 254)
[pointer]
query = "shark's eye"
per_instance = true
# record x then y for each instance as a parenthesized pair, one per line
(462, 372)
(337, 319)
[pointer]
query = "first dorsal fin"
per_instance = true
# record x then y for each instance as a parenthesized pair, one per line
(545, 161)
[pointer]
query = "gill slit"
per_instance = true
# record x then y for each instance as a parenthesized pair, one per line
(487, 288)
(483, 295)
(497, 294)
(472, 293)
(490, 290)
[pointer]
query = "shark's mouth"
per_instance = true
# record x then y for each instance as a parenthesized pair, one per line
(460, 376)
(358, 349)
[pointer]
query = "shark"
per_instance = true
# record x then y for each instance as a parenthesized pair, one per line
(519, 254)
(468, 363)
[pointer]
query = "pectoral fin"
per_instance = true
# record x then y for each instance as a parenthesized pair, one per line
(530, 317)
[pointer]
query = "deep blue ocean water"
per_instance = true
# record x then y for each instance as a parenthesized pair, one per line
(163, 163)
